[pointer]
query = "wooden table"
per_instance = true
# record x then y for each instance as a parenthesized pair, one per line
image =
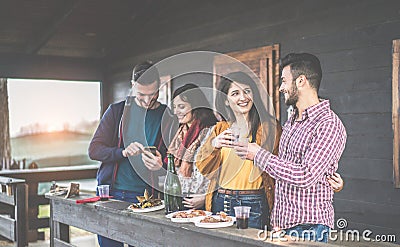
(33, 177)
(113, 220)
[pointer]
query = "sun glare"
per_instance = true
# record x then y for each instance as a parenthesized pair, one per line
(57, 106)
(53, 128)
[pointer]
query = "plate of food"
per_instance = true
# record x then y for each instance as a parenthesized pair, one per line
(146, 204)
(215, 221)
(190, 215)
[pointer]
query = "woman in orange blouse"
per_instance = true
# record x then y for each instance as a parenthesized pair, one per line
(235, 181)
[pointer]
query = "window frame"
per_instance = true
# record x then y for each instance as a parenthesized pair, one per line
(396, 112)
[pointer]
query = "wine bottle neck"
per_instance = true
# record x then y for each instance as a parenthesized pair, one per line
(171, 165)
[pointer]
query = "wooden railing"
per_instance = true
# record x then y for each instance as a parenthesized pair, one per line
(13, 210)
(33, 177)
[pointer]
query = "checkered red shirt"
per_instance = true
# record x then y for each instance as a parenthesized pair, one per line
(309, 150)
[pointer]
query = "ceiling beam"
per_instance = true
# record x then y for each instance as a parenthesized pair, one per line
(139, 14)
(41, 39)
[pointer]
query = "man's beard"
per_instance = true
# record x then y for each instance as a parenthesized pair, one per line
(293, 96)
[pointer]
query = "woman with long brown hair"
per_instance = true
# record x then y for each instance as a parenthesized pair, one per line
(234, 181)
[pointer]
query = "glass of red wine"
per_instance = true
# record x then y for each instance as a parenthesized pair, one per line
(242, 214)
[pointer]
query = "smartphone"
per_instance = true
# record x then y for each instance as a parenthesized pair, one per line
(151, 149)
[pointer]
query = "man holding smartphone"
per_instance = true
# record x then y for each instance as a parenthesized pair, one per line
(151, 149)
(124, 131)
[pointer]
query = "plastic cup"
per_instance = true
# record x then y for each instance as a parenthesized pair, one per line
(242, 214)
(235, 133)
(104, 192)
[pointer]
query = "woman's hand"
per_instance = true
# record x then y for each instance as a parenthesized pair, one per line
(336, 182)
(197, 201)
(247, 150)
(225, 139)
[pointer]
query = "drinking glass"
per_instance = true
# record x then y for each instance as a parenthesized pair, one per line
(104, 192)
(242, 214)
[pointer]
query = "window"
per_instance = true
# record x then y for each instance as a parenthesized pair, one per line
(396, 112)
(52, 122)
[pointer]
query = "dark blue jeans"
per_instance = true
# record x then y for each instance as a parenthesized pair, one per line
(311, 232)
(259, 212)
(123, 195)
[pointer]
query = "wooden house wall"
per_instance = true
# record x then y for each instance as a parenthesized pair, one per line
(353, 40)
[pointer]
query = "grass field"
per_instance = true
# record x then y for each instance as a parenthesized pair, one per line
(52, 149)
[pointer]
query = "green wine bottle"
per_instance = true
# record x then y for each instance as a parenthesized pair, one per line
(172, 188)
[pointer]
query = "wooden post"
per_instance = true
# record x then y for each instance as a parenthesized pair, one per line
(276, 73)
(59, 232)
(5, 147)
(396, 113)
(52, 225)
(14, 227)
(33, 211)
(21, 209)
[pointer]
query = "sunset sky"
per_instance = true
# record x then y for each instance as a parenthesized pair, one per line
(52, 103)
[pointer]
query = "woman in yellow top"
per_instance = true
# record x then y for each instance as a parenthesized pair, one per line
(235, 181)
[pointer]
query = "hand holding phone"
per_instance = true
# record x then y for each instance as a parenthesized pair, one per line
(151, 149)
(152, 162)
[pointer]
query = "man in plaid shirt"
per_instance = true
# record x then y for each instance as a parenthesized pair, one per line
(312, 142)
